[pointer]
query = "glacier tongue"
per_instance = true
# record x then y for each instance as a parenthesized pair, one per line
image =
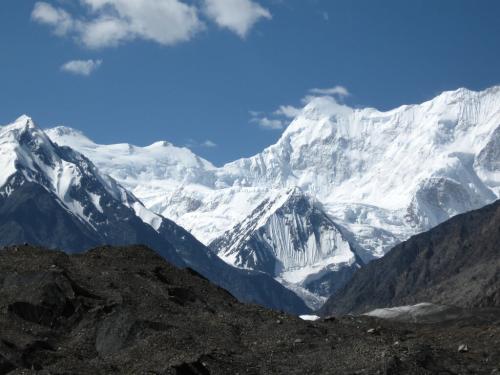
(382, 176)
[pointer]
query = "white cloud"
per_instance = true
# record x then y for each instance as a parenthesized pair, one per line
(238, 16)
(277, 120)
(333, 91)
(288, 111)
(108, 23)
(268, 123)
(166, 22)
(104, 32)
(280, 118)
(208, 143)
(59, 19)
(255, 113)
(112, 22)
(193, 143)
(81, 67)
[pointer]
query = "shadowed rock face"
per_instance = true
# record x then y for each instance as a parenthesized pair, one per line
(456, 263)
(125, 310)
(31, 214)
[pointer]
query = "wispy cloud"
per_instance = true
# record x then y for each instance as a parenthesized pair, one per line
(281, 117)
(109, 23)
(81, 67)
(61, 21)
(209, 144)
(238, 16)
(193, 143)
(268, 123)
(339, 91)
(288, 111)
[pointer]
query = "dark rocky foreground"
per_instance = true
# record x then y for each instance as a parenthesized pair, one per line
(127, 311)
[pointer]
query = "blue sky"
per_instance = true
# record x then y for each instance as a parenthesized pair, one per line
(192, 71)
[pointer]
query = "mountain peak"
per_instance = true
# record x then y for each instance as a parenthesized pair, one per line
(465, 90)
(65, 131)
(290, 238)
(295, 191)
(160, 144)
(325, 107)
(23, 130)
(64, 134)
(25, 120)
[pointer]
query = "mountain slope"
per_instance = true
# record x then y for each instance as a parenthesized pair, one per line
(49, 221)
(55, 197)
(40, 173)
(292, 239)
(247, 285)
(385, 175)
(382, 176)
(456, 263)
(171, 181)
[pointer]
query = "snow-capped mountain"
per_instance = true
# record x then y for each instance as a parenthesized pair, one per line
(55, 197)
(292, 239)
(386, 175)
(380, 176)
(171, 181)
(94, 201)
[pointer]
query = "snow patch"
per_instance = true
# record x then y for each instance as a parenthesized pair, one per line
(410, 312)
(309, 317)
(147, 216)
(96, 201)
